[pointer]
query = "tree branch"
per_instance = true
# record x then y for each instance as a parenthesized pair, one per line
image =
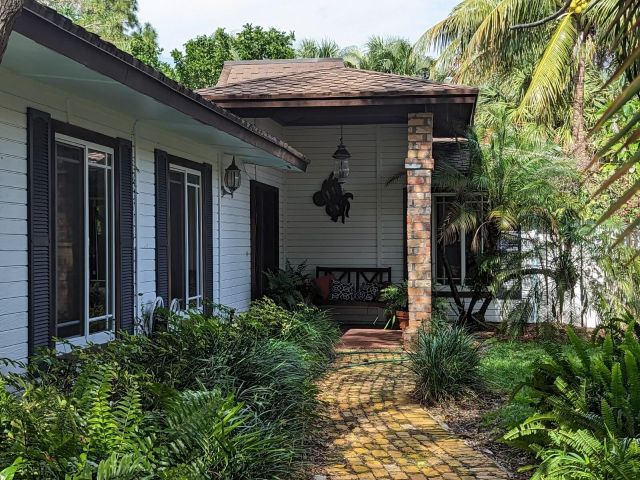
(9, 10)
(550, 18)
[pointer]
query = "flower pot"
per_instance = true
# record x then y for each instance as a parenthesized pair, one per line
(403, 319)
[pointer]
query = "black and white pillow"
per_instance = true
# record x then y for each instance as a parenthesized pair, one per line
(368, 292)
(342, 291)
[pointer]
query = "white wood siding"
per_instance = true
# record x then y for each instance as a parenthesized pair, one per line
(372, 236)
(13, 231)
(235, 233)
(231, 238)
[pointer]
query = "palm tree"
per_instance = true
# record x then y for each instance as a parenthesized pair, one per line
(512, 187)
(555, 42)
(623, 23)
(389, 55)
(324, 48)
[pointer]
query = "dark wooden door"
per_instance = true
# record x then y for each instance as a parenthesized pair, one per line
(265, 217)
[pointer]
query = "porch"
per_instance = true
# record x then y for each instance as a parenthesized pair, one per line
(391, 126)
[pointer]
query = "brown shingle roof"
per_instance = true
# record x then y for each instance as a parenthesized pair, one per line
(236, 72)
(292, 79)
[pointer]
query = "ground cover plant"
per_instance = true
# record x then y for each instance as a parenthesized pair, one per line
(587, 409)
(211, 397)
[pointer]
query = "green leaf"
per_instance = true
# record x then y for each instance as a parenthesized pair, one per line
(551, 74)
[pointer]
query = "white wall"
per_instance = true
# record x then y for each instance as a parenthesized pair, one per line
(235, 234)
(372, 236)
(13, 229)
(232, 259)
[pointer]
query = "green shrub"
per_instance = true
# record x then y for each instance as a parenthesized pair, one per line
(587, 403)
(445, 362)
(207, 397)
(576, 455)
(289, 287)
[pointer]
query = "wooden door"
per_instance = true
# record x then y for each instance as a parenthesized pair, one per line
(265, 217)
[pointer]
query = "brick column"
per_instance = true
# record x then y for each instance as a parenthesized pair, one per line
(419, 166)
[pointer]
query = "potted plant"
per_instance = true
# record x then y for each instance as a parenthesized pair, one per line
(397, 304)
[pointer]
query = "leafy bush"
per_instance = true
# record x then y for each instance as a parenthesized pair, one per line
(396, 298)
(587, 403)
(289, 287)
(209, 397)
(445, 362)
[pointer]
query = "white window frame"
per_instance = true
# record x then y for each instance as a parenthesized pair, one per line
(441, 287)
(65, 345)
(199, 263)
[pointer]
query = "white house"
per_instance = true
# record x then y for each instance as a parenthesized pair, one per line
(111, 181)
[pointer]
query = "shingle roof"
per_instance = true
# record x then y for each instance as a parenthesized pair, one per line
(242, 71)
(289, 79)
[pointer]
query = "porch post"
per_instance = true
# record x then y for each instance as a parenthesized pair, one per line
(419, 166)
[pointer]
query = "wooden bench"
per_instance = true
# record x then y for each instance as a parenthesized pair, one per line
(355, 312)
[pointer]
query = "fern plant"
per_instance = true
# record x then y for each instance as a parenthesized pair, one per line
(213, 397)
(588, 409)
(289, 287)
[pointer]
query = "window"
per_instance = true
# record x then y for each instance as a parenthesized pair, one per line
(84, 241)
(457, 252)
(185, 237)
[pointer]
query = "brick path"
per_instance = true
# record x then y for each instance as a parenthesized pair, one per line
(376, 431)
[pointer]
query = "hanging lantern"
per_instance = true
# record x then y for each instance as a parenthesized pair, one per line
(232, 178)
(341, 165)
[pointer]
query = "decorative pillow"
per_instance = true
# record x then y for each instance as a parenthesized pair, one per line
(342, 291)
(323, 284)
(368, 292)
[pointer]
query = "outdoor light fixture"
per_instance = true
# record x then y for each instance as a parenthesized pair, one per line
(232, 179)
(341, 166)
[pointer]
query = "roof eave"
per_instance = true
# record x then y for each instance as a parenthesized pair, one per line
(233, 102)
(57, 33)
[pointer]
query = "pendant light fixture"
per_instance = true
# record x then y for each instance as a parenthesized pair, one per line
(341, 164)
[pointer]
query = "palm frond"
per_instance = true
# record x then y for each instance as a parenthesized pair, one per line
(552, 72)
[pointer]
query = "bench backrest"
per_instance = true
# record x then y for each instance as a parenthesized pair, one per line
(357, 275)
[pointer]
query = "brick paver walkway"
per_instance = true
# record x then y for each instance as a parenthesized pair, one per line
(376, 431)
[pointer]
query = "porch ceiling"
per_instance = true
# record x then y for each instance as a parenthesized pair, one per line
(449, 121)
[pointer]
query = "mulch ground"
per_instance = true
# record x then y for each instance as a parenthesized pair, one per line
(464, 417)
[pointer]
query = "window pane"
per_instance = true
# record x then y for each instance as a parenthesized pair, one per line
(176, 235)
(69, 240)
(452, 250)
(100, 231)
(193, 179)
(193, 223)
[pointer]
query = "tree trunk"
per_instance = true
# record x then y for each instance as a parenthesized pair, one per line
(578, 133)
(9, 10)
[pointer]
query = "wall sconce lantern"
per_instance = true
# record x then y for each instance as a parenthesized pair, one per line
(341, 166)
(232, 179)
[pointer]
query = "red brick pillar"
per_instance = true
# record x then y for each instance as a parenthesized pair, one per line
(419, 166)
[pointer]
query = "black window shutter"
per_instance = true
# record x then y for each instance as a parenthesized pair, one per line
(40, 219)
(207, 250)
(125, 266)
(162, 226)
